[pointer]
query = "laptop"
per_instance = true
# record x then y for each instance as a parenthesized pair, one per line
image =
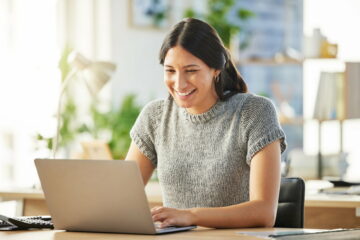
(97, 196)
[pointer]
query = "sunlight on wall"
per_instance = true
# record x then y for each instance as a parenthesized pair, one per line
(29, 80)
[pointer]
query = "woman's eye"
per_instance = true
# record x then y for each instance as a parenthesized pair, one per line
(191, 70)
(169, 70)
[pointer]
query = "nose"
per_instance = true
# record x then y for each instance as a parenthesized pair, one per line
(180, 82)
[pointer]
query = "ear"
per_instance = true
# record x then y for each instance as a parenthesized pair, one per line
(217, 72)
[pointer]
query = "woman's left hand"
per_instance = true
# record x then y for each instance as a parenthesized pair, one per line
(172, 216)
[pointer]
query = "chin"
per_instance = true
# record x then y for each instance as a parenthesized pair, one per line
(182, 104)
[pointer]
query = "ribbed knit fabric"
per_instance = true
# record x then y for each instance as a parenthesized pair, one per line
(204, 160)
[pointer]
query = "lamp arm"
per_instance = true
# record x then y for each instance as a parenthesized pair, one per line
(58, 113)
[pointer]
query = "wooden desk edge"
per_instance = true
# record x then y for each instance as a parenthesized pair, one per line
(198, 233)
(18, 195)
(332, 203)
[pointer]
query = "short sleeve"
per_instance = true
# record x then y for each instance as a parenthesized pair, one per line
(260, 125)
(143, 133)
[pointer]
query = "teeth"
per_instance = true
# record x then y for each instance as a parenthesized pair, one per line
(186, 93)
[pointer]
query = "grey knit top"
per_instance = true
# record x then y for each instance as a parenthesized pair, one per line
(203, 160)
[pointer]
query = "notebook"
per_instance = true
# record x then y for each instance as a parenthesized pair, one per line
(97, 196)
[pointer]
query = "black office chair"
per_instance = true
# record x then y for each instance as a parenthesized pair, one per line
(290, 212)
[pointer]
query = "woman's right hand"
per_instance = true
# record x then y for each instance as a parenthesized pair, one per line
(173, 217)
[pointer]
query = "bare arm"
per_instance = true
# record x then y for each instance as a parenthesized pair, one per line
(259, 211)
(145, 165)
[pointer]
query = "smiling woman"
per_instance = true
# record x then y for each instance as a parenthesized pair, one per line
(189, 80)
(197, 74)
(216, 147)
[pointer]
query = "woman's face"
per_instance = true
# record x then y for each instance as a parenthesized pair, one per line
(189, 80)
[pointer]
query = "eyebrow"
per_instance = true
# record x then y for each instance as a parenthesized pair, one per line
(187, 66)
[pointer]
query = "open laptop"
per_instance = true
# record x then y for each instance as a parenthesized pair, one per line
(97, 196)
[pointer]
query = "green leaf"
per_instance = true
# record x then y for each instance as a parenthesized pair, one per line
(245, 14)
(189, 13)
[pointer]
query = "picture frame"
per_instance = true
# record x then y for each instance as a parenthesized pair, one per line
(96, 150)
(149, 14)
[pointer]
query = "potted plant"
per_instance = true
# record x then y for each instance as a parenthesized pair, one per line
(116, 124)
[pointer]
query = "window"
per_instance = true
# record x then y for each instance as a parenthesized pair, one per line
(29, 84)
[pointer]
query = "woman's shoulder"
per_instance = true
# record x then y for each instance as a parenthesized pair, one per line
(244, 99)
(249, 98)
(254, 99)
(155, 108)
(154, 105)
(258, 107)
(245, 102)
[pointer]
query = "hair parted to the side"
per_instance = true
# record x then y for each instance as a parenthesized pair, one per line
(202, 41)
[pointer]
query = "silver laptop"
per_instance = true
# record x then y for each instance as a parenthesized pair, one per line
(97, 196)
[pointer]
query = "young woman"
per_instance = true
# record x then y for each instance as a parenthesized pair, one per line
(216, 147)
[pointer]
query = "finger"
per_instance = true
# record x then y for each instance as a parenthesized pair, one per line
(168, 223)
(159, 217)
(155, 208)
(160, 210)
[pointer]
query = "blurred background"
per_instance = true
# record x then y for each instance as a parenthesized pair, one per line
(303, 54)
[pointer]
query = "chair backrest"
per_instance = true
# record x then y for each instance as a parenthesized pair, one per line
(290, 212)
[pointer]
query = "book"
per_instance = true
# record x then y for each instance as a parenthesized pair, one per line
(352, 89)
(329, 102)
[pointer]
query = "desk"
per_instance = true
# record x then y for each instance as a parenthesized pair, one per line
(29, 201)
(321, 211)
(199, 233)
(332, 211)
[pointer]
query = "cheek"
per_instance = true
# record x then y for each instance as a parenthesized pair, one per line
(206, 81)
(168, 82)
(166, 79)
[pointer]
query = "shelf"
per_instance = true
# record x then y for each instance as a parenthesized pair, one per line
(269, 61)
(273, 61)
(291, 121)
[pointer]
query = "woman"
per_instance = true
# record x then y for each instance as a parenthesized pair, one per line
(216, 147)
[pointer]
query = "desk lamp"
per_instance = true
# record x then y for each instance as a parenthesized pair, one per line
(95, 76)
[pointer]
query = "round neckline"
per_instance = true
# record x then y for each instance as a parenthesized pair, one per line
(214, 111)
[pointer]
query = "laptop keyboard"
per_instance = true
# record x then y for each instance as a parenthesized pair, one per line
(170, 228)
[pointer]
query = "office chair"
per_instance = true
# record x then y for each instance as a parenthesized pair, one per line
(290, 212)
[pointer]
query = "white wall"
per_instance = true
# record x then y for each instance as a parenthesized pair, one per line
(135, 52)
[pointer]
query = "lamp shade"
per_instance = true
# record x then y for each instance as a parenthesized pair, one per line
(96, 73)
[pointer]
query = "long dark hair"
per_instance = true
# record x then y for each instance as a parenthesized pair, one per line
(202, 41)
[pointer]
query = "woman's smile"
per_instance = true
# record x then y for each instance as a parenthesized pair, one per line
(185, 95)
